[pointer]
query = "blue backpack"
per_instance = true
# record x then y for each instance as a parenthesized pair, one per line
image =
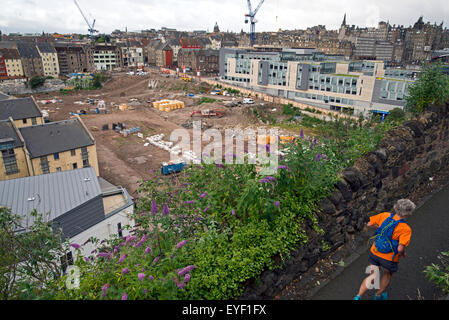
(383, 236)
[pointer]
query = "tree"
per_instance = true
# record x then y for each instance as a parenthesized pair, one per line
(431, 88)
(29, 255)
(36, 81)
(397, 114)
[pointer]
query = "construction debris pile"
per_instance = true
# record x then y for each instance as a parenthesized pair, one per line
(157, 140)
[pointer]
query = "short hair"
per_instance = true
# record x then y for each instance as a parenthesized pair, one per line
(404, 207)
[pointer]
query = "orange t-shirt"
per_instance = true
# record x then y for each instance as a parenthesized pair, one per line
(402, 232)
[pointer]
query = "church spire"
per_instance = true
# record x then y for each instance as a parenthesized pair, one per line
(344, 20)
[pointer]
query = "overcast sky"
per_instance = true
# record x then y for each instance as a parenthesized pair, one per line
(63, 16)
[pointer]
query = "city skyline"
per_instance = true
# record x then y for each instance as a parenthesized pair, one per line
(28, 16)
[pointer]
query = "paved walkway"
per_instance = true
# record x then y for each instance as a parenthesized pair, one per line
(430, 236)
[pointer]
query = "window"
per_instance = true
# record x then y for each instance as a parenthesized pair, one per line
(75, 165)
(56, 156)
(44, 165)
(24, 121)
(9, 161)
(33, 121)
(85, 157)
(58, 169)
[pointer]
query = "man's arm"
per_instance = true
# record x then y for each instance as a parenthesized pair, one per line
(401, 251)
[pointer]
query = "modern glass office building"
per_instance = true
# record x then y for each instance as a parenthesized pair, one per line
(320, 80)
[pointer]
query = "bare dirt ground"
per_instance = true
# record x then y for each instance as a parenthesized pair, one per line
(125, 160)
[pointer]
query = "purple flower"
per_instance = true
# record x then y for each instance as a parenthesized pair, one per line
(185, 270)
(203, 195)
(153, 207)
(125, 271)
(141, 241)
(141, 276)
(75, 245)
(181, 285)
(233, 212)
(284, 167)
(148, 250)
(187, 277)
(277, 204)
(180, 244)
(219, 165)
(124, 296)
(122, 257)
(166, 211)
(267, 179)
(150, 277)
(103, 254)
(267, 147)
(184, 184)
(156, 259)
(86, 259)
(190, 202)
(182, 216)
(207, 208)
(105, 289)
(301, 134)
(129, 239)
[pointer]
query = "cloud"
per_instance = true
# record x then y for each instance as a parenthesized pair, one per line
(63, 15)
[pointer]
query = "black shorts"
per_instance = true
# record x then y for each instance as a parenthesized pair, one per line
(377, 261)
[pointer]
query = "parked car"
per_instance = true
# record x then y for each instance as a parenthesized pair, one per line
(248, 101)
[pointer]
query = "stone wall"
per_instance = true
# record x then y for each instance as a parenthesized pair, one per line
(405, 159)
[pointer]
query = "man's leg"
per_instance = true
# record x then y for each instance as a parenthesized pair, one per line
(384, 281)
(366, 282)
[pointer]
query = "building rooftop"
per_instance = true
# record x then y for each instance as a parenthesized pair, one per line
(9, 134)
(17, 109)
(54, 193)
(27, 50)
(55, 137)
(46, 47)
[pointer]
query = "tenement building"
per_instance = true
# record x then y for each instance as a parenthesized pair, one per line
(317, 79)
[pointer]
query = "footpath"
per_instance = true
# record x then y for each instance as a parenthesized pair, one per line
(430, 236)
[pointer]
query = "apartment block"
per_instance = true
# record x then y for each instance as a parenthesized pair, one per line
(49, 58)
(310, 77)
(51, 147)
(74, 58)
(107, 57)
(13, 63)
(24, 111)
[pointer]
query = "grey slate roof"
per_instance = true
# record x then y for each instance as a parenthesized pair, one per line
(28, 50)
(19, 109)
(45, 47)
(8, 133)
(54, 137)
(54, 193)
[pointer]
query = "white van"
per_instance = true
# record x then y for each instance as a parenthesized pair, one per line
(248, 101)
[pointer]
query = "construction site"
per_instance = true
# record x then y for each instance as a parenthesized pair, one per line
(132, 116)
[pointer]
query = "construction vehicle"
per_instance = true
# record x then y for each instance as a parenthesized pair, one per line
(208, 113)
(217, 92)
(91, 29)
(187, 78)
